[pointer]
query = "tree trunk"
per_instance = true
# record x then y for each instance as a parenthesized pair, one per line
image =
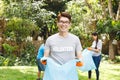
(111, 48)
(2, 27)
(118, 47)
(111, 51)
(104, 14)
(110, 7)
(118, 13)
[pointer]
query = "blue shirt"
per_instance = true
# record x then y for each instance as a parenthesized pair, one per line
(41, 52)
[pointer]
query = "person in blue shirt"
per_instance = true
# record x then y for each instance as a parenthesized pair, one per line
(41, 67)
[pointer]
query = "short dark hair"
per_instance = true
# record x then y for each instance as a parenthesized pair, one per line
(63, 14)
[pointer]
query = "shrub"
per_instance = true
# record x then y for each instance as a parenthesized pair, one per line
(2, 59)
(27, 55)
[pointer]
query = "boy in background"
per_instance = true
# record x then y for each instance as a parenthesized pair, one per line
(41, 67)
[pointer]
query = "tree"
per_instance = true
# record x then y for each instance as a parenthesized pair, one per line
(55, 5)
(96, 15)
(80, 20)
(32, 10)
(111, 27)
(18, 29)
(108, 22)
(111, 23)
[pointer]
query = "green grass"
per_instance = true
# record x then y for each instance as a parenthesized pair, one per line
(107, 72)
(18, 73)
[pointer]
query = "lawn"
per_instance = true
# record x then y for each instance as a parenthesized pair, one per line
(18, 73)
(107, 72)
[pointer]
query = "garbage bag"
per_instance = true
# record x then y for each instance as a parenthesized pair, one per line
(55, 71)
(88, 63)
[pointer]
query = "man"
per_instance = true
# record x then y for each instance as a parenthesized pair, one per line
(62, 48)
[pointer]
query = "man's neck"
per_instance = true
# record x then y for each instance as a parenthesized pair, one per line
(63, 34)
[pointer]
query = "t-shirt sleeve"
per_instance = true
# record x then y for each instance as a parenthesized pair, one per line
(47, 44)
(93, 44)
(99, 46)
(78, 45)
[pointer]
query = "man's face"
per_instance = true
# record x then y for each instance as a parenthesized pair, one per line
(63, 24)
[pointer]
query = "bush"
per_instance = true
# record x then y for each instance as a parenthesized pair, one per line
(9, 49)
(2, 59)
(18, 29)
(27, 55)
(9, 57)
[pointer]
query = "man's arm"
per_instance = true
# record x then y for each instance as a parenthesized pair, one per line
(46, 53)
(79, 56)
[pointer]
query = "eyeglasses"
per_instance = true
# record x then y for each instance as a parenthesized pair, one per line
(64, 22)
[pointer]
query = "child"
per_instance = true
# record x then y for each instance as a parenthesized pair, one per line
(41, 67)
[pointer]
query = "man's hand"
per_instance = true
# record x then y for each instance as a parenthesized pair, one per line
(79, 63)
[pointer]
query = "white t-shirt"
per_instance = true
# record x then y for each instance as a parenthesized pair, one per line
(63, 49)
(99, 46)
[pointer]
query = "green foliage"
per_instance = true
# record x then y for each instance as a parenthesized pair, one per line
(33, 11)
(55, 5)
(18, 29)
(2, 59)
(73, 7)
(85, 38)
(117, 60)
(1, 8)
(9, 57)
(118, 35)
(108, 26)
(106, 58)
(27, 55)
(23, 8)
(80, 17)
(45, 22)
(7, 61)
(9, 49)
